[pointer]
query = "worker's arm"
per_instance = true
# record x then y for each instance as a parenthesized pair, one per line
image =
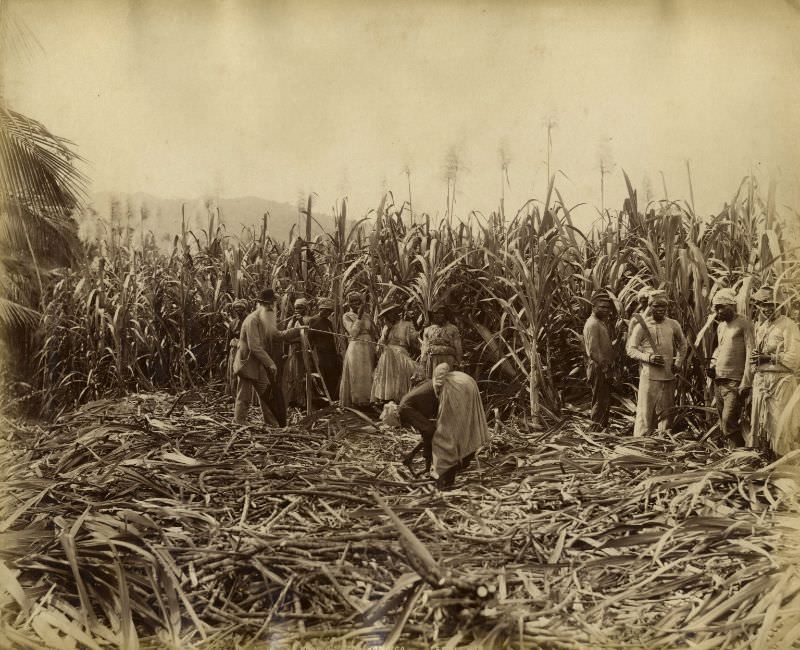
(352, 324)
(423, 353)
(749, 346)
(457, 345)
(634, 347)
(715, 354)
(682, 344)
(591, 340)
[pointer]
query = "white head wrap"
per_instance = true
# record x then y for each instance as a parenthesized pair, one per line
(724, 297)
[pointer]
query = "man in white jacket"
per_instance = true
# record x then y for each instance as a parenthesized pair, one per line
(659, 345)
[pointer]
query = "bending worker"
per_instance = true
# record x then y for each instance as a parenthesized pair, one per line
(459, 429)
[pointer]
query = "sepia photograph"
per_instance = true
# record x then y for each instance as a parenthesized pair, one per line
(437, 324)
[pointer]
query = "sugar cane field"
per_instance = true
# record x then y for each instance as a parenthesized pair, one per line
(138, 512)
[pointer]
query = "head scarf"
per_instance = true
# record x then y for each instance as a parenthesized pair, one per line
(658, 296)
(439, 373)
(354, 295)
(326, 303)
(724, 297)
(239, 303)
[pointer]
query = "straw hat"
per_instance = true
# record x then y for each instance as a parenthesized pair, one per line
(326, 303)
(769, 295)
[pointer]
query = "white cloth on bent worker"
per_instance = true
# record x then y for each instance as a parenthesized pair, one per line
(461, 427)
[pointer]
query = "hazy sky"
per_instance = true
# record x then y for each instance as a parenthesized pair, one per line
(191, 98)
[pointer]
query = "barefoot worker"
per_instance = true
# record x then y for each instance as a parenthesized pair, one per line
(461, 427)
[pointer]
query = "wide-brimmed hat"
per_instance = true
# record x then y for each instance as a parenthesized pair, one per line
(769, 295)
(389, 307)
(355, 295)
(301, 302)
(266, 296)
(724, 297)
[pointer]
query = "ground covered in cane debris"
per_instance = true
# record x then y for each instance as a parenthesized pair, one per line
(149, 522)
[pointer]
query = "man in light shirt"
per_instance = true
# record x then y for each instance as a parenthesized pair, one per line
(729, 369)
(659, 345)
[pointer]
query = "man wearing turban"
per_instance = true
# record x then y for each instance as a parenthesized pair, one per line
(729, 369)
(658, 344)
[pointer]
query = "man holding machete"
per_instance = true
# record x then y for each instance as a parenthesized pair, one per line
(659, 345)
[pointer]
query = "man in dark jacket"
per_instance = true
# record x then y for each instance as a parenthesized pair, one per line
(258, 362)
(599, 357)
(323, 343)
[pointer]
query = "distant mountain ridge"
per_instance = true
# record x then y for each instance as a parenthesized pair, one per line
(162, 216)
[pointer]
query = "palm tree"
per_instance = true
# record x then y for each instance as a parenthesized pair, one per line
(39, 189)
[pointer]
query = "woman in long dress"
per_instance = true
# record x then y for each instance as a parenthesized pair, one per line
(294, 372)
(775, 419)
(359, 360)
(441, 341)
(396, 368)
(238, 313)
(461, 427)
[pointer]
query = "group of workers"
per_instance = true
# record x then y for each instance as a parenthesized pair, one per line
(299, 364)
(760, 362)
(419, 375)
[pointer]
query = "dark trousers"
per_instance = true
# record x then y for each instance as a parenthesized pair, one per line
(414, 419)
(729, 407)
(330, 367)
(449, 476)
(601, 397)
